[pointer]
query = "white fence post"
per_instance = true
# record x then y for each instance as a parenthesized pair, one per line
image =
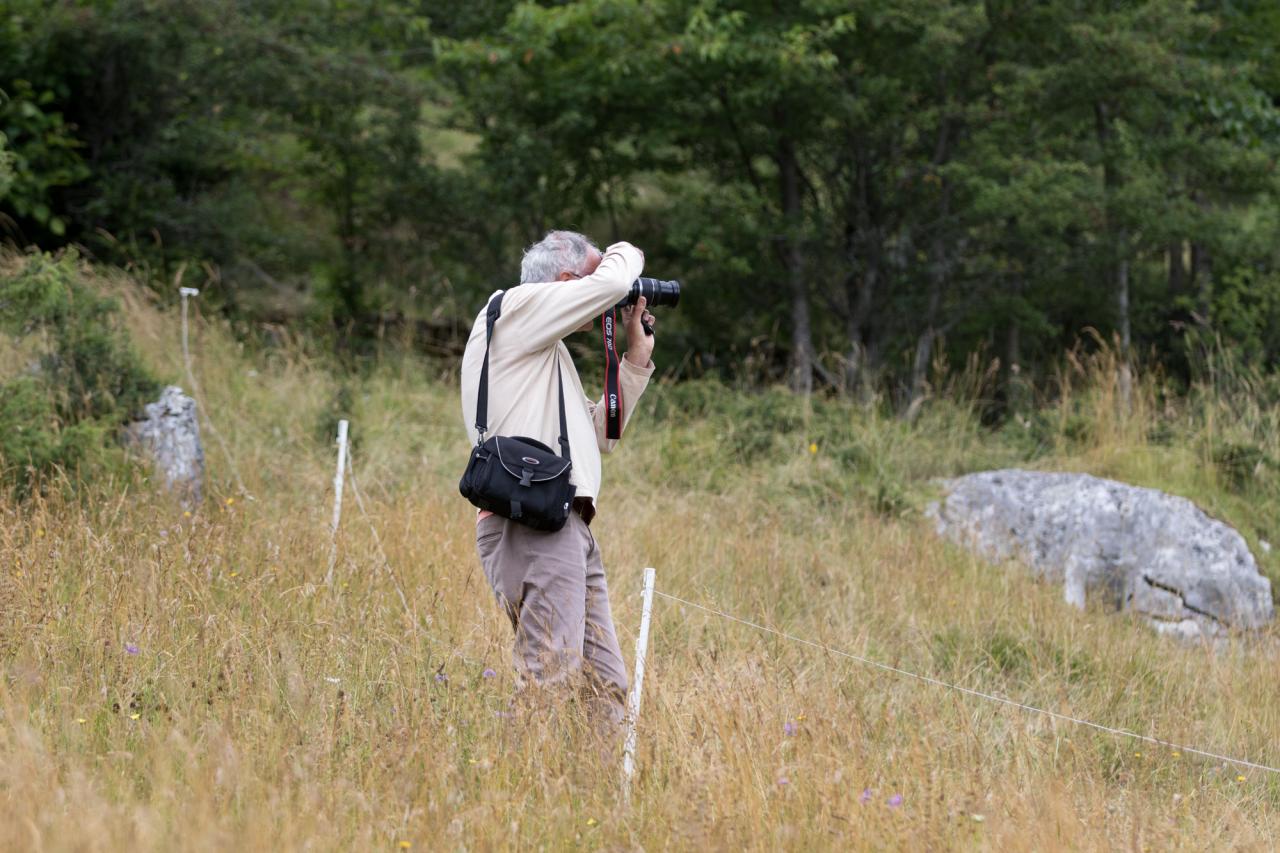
(633, 711)
(186, 292)
(337, 498)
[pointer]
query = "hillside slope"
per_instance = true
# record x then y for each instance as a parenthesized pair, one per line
(191, 683)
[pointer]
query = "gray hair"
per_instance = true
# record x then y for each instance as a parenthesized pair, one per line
(559, 251)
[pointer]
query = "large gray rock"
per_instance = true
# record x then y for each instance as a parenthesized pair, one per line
(1132, 548)
(170, 435)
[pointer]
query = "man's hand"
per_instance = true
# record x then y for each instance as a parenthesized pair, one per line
(639, 344)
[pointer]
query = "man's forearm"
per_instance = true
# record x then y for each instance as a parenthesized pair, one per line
(633, 379)
(539, 314)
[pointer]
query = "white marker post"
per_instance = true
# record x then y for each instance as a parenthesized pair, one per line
(337, 498)
(186, 292)
(633, 712)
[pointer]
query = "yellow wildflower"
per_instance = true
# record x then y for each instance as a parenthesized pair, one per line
(813, 447)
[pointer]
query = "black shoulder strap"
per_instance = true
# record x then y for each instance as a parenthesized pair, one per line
(564, 427)
(492, 314)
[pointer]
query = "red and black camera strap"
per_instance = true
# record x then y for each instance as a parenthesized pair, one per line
(612, 387)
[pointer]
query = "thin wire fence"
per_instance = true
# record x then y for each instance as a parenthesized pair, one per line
(203, 407)
(377, 540)
(387, 567)
(991, 697)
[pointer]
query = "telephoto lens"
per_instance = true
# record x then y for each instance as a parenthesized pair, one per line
(655, 291)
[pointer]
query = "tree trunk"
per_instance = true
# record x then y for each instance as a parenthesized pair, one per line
(348, 286)
(863, 289)
(1202, 277)
(1124, 380)
(1177, 269)
(920, 364)
(865, 254)
(1015, 384)
(793, 259)
(938, 274)
(1119, 246)
(1122, 292)
(1202, 268)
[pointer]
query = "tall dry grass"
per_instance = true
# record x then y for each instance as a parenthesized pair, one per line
(263, 709)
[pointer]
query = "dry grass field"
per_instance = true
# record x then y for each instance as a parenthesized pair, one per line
(191, 683)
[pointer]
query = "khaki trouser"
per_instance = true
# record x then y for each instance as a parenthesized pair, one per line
(553, 589)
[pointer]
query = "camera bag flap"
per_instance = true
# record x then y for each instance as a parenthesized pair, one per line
(517, 477)
(528, 459)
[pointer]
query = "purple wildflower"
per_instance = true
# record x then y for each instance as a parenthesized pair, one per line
(789, 729)
(895, 801)
(866, 796)
(131, 648)
(488, 673)
(783, 780)
(441, 678)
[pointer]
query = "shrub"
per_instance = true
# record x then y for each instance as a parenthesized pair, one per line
(65, 410)
(1239, 463)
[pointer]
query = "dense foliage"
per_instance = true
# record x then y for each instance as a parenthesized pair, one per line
(856, 192)
(81, 379)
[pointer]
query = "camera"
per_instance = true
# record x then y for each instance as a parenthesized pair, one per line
(655, 291)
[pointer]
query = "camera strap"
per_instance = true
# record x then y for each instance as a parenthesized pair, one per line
(612, 387)
(492, 314)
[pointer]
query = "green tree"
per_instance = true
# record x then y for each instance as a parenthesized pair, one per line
(856, 190)
(45, 154)
(6, 167)
(577, 100)
(1120, 92)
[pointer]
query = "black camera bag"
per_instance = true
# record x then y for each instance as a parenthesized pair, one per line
(513, 476)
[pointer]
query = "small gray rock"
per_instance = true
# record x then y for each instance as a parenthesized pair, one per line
(170, 435)
(1134, 548)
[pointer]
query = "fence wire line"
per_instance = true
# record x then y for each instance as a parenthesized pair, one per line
(978, 693)
(204, 409)
(377, 540)
(386, 562)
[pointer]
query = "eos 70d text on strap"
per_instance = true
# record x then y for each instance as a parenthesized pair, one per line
(655, 292)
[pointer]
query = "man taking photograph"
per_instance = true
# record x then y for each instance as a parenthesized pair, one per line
(552, 584)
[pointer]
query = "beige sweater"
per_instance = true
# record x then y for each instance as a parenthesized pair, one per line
(527, 348)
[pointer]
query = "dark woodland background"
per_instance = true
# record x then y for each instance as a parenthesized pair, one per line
(859, 195)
